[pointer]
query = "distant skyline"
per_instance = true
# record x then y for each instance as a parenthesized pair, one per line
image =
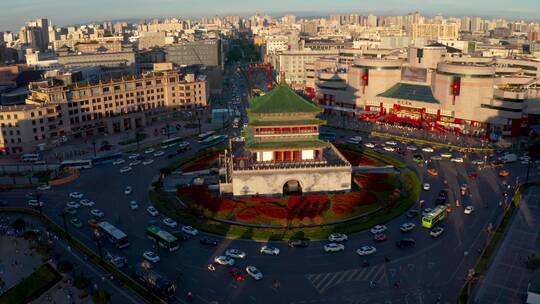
(62, 12)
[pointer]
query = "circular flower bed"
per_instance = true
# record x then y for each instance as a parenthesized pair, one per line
(375, 191)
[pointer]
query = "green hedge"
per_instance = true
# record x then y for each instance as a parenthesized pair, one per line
(182, 161)
(32, 287)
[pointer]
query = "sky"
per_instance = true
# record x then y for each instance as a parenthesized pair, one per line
(13, 14)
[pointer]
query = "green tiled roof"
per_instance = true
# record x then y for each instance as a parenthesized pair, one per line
(313, 143)
(282, 100)
(313, 121)
(410, 92)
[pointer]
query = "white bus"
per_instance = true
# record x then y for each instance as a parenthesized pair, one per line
(205, 135)
(30, 157)
(115, 235)
(77, 164)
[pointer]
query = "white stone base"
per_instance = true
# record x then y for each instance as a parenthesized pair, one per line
(271, 182)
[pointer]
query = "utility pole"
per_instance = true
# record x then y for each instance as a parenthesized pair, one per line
(40, 207)
(168, 131)
(199, 120)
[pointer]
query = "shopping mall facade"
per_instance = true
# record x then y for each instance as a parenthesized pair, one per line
(433, 87)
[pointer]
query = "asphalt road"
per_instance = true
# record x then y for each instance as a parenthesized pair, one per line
(434, 268)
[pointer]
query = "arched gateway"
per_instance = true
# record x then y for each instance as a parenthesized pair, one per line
(292, 187)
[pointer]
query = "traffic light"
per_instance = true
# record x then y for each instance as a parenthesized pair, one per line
(456, 86)
(365, 78)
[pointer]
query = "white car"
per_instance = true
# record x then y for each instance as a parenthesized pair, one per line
(366, 250)
(73, 204)
(87, 203)
(355, 140)
(337, 237)
(370, 145)
(468, 210)
(446, 155)
(412, 148)
(427, 186)
(35, 203)
(170, 222)
(152, 210)
(456, 159)
(44, 187)
(406, 227)
(159, 153)
(378, 229)
(118, 162)
(270, 250)
(254, 272)
(334, 247)
(428, 149)
(125, 169)
(128, 190)
(426, 211)
(436, 231)
(224, 260)
(235, 253)
(147, 162)
(97, 213)
(134, 156)
(389, 149)
(391, 143)
(149, 151)
(75, 195)
(133, 205)
(134, 163)
(151, 256)
(190, 230)
(477, 162)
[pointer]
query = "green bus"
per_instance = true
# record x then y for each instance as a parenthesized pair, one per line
(213, 140)
(171, 142)
(434, 217)
(162, 237)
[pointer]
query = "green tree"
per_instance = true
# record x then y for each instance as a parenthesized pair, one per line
(19, 224)
(100, 296)
(81, 281)
(43, 248)
(64, 266)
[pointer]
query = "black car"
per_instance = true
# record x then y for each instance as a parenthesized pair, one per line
(171, 156)
(405, 243)
(412, 213)
(298, 243)
(209, 241)
(181, 236)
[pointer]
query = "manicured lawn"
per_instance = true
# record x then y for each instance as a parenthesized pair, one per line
(32, 286)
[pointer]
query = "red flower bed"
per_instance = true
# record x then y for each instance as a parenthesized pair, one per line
(201, 163)
(310, 206)
(201, 196)
(247, 214)
(357, 159)
(346, 202)
(272, 210)
(381, 187)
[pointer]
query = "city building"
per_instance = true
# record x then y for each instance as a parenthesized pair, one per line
(435, 31)
(35, 34)
(292, 64)
(53, 110)
(435, 87)
(115, 56)
(206, 53)
(283, 153)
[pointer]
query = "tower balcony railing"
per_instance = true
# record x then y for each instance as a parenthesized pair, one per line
(279, 165)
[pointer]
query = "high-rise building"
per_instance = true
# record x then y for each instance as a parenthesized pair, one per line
(476, 24)
(372, 21)
(435, 31)
(35, 34)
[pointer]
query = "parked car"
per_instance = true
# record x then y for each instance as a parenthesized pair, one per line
(405, 243)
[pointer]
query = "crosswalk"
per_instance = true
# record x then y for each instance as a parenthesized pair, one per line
(322, 282)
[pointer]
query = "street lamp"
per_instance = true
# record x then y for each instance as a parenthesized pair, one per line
(97, 237)
(94, 145)
(39, 205)
(63, 214)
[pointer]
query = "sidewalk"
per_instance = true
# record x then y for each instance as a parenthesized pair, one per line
(507, 277)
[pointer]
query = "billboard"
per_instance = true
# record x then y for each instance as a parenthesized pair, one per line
(413, 74)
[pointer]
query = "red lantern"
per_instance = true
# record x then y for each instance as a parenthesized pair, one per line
(365, 79)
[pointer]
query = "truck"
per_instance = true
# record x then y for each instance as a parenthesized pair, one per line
(508, 158)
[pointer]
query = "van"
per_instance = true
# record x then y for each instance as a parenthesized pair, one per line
(508, 158)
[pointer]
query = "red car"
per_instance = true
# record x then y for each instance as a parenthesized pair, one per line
(381, 237)
(237, 274)
(473, 175)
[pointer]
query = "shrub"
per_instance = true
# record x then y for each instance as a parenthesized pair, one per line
(19, 224)
(64, 266)
(81, 282)
(100, 296)
(43, 248)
